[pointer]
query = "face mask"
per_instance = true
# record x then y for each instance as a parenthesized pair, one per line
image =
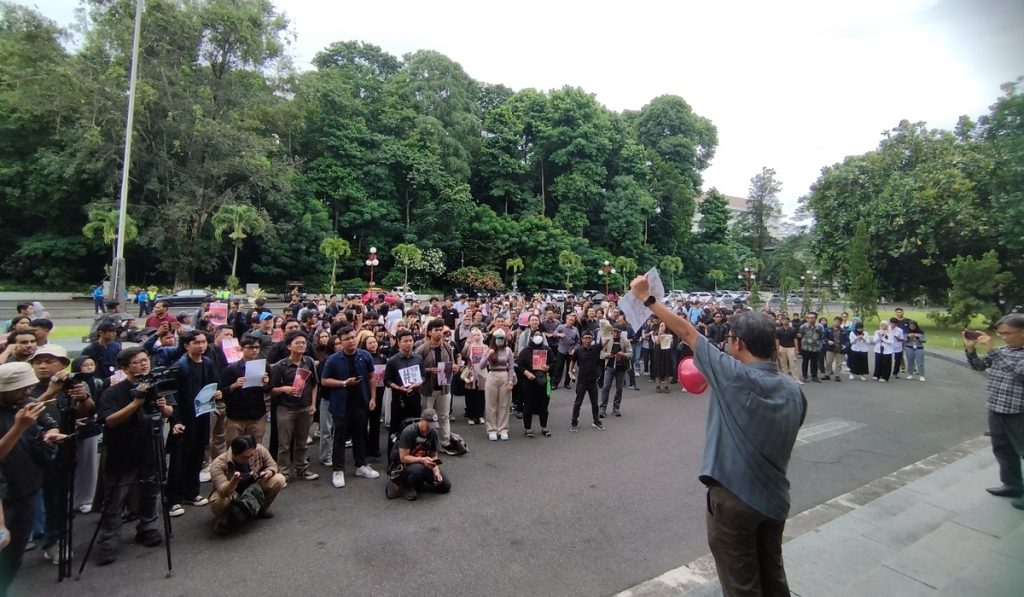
(500, 341)
(538, 339)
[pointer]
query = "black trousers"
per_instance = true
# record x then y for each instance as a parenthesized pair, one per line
(747, 546)
(897, 362)
(809, 359)
(883, 366)
(537, 401)
(403, 406)
(351, 426)
(187, 452)
(421, 478)
(589, 388)
(19, 516)
(474, 404)
(563, 365)
(1007, 431)
(118, 485)
(373, 432)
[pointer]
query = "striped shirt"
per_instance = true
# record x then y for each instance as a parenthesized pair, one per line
(1005, 368)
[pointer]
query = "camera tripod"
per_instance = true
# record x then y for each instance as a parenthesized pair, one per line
(158, 454)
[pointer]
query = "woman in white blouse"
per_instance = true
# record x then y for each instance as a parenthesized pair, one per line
(860, 346)
(883, 341)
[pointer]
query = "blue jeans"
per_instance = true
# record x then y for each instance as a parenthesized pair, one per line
(619, 375)
(915, 361)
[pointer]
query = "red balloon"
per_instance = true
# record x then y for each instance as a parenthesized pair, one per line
(690, 377)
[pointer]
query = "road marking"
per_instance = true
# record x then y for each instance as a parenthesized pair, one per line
(824, 430)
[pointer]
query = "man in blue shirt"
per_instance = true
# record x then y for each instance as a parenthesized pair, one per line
(753, 418)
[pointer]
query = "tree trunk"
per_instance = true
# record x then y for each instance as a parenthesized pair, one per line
(333, 270)
(234, 262)
(543, 198)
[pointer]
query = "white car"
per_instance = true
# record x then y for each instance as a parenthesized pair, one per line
(701, 297)
(405, 292)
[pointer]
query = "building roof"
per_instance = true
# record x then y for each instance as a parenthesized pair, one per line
(734, 203)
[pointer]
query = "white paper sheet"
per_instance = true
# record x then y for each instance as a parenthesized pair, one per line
(633, 309)
(254, 371)
(204, 399)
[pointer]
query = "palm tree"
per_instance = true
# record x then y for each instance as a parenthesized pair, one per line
(407, 256)
(626, 267)
(335, 248)
(103, 223)
(516, 265)
(568, 261)
(717, 275)
(241, 220)
(673, 266)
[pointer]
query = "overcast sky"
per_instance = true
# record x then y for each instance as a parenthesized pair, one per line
(794, 85)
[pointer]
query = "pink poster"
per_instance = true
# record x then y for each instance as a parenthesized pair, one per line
(232, 351)
(219, 313)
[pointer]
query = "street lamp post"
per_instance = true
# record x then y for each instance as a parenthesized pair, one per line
(372, 262)
(607, 270)
(748, 276)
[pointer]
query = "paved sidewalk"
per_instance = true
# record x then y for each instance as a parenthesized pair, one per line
(927, 529)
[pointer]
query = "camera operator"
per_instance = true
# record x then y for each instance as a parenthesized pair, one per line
(67, 400)
(193, 371)
(130, 457)
(23, 458)
(246, 481)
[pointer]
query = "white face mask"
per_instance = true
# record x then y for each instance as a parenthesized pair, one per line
(499, 340)
(538, 339)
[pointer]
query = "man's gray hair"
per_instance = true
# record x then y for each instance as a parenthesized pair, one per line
(757, 330)
(1014, 320)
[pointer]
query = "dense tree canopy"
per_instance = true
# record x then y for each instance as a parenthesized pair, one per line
(370, 149)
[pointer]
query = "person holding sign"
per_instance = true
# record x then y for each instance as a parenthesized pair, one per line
(244, 406)
(380, 363)
(534, 363)
(754, 415)
(293, 386)
(473, 354)
(404, 375)
(348, 379)
(194, 372)
(501, 378)
(440, 364)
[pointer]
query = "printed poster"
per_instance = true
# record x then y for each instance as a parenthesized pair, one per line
(232, 350)
(378, 374)
(411, 376)
(540, 359)
(299, 383)
(219, 313)
(476, 354)
(444, 374)
(254, 371)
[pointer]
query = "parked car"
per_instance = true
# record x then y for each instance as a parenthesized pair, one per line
(794, 299)
(189, 297)
(405, 292)
(701, 296)
(560, 295)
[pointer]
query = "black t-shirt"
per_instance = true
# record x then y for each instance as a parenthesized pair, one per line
(24, 464)
(787, 336)
(129, 444)
(418, 446)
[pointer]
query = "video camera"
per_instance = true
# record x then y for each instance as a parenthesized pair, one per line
(161, 382)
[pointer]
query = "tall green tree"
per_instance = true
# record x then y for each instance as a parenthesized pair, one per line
(335, 248)
(763, 208)
(103, 224)
(407, 256)
(569, 262)
(863, 294)
(673, 266)
(713, 226)
(976, 285)
(239, 221)
(516, 265)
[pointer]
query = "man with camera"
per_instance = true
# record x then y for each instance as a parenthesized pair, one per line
(246, 480)
(67, 400)
(124, 410)
(415, 465)
(23, 458)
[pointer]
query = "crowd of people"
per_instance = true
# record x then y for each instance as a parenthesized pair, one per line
(258, 397)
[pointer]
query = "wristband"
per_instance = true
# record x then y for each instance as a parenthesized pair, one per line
(650, 301)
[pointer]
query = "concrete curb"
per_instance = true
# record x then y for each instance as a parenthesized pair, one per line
(692, 578)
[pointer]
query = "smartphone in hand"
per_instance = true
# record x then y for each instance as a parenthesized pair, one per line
(971, 335)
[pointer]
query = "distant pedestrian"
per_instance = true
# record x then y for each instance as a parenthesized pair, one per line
(97, 300)
(753, 418)
(1005, 400)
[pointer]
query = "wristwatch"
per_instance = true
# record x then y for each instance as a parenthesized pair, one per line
(650, 301)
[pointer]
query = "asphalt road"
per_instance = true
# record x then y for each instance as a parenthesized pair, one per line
(590, 513)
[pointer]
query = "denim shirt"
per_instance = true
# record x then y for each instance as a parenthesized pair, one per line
(753, 418)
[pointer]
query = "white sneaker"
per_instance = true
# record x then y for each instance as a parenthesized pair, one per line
(493, 436)
(504, 436)
(348, 443)
(470, 422)
(85, 508)
(367, 472)
(922, 378)
(176, 510)
(851, 376)
(204, 475)
(338, 479)
(863, 378)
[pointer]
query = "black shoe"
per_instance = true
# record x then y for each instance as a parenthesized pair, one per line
(105, 559)
(264, 514)
(597, 425)
(1018, 504)
(567, 387)
(410, 494)
(826, 378)
(574, 428)
(815, 380)
(637, 388)
(1006, 491)
(150, 538)
(617, 412)
(602, 414)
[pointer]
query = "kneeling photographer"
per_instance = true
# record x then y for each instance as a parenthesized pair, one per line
(125, 410)
(246, 480)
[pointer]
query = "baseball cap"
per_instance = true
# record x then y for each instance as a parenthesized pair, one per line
(265, 316)
(15, 376)
(53, 350)
(430, 416)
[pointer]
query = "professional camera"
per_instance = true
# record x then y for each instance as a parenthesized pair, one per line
(161, 382)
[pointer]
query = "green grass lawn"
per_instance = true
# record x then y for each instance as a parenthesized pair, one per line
(69, 332)
(937, 336)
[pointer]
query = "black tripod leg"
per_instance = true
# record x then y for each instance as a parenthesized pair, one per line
(96, 531)
(156, 424)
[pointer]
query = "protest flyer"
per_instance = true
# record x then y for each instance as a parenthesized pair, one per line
(219, 313)
(299, 383)
(378, 374)
(254, 371)
(444, 374)
(540, 359)
(410, 375)
(204, 399)
(232, 350)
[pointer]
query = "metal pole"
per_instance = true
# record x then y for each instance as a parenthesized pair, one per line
(117, 271)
